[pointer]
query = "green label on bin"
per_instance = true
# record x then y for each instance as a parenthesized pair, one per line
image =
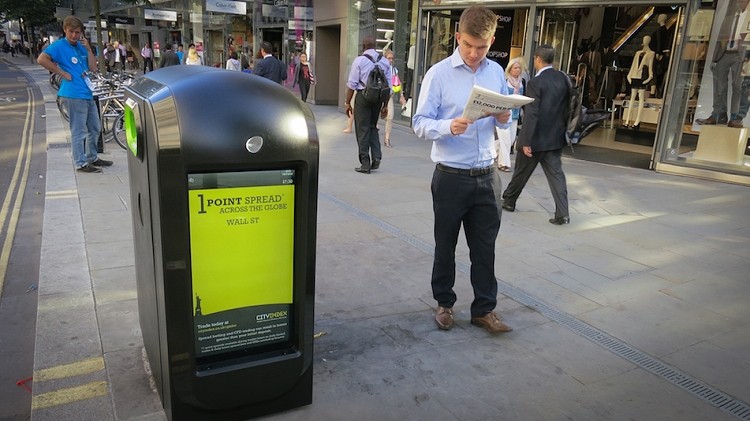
(242, 257)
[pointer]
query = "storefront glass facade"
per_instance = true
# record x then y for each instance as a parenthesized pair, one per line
(706, 132)
(685, 83)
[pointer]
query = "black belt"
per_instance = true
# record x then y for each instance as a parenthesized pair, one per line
(474, 172)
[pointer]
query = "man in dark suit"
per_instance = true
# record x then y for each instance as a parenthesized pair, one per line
(269, 66)
(169, 57)
(542, 137)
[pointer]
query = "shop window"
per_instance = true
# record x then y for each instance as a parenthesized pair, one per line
(709, 127)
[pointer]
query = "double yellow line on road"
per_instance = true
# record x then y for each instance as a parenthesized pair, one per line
(70, 394)
(21, 171)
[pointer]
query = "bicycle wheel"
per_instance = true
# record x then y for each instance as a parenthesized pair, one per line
(63, 109)
(54, 81)
(118, 131)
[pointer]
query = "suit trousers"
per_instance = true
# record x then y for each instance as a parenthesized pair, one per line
(474, 202)
(366, 128)
(552, 166)
(729, 65)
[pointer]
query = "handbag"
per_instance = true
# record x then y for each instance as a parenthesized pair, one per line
(406, 109)
(396, 83)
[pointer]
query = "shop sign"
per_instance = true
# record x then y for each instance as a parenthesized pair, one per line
(154, 14)
(123, 20)
(218, 20)
(300, 24)
(500, 49)
(226, 6)
(270, 11)
(303, 13)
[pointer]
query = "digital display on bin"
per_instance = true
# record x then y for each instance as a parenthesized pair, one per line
(242, 258)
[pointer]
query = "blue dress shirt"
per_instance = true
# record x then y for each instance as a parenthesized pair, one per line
(443, 95)
(361, 67)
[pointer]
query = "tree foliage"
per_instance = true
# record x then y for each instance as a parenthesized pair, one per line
(33, 12)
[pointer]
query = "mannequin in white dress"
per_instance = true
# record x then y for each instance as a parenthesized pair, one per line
(640, 75)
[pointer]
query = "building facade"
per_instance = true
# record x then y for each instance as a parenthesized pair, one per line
(599, 44)
(217, 28)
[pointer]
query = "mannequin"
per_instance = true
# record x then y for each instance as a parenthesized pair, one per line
(661, 43)
(389, 40)
(643, 61)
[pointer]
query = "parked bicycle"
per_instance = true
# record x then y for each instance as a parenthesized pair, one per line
(110, 94)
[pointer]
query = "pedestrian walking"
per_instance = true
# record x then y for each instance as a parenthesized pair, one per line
(303, 76)
(366, 113)
(395, 90)
(169, 58)
(542, 136)
(148, 58)
(269, 66)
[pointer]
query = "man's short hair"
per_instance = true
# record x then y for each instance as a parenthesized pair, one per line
(72, 22)
(546, 53)
(266, 47)
(167, 46)
(368, 42)
(478, 21)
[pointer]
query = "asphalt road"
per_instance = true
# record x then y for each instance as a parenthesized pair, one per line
(22, 184)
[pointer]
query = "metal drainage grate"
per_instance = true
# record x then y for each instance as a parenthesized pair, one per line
(680, 379)
(58, 145)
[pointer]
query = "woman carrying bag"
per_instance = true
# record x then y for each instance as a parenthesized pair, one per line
(303, 77)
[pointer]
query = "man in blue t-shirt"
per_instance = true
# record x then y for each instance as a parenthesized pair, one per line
(72, 58)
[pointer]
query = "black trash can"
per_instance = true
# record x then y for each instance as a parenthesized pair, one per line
(223, 183)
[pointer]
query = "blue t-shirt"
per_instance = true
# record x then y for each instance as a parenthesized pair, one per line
(74, 59)
(180, 54)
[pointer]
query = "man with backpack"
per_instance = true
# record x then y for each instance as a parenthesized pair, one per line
(370, 78)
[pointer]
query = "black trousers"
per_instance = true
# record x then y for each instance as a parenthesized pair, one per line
(474, 202)
(366, 127)
(304, 88)
(552, 166)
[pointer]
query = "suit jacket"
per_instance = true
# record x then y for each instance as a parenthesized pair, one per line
(169, 58)
(546, 119)
(270, 68)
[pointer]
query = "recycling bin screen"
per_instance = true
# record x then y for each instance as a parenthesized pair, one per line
(242, 258)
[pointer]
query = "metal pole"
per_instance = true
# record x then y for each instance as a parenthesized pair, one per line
(100, 39)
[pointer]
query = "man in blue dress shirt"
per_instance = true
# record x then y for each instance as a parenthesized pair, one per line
(466, 188)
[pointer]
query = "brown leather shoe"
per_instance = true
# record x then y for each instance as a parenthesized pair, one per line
(706, 121)
(735, 124)
(491, 322)
(444, 318)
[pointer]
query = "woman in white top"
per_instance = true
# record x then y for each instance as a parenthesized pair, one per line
(506, 137)
(233, 63)
(192, 58)
(389, 117)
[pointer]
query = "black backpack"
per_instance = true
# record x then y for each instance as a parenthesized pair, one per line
(377, 90)
(574, 112)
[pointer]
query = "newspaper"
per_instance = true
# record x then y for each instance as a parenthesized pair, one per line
(483, 102)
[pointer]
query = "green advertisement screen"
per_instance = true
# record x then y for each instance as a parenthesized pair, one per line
(242, 259)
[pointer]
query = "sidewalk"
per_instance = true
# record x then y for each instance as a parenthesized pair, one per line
(644, 295)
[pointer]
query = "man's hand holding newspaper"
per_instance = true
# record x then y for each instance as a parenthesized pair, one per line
(484, 102)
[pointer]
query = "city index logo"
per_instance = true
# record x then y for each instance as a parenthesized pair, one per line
(271, 316)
